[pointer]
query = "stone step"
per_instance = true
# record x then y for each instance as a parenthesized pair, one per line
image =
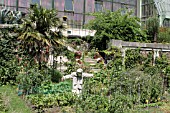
(62, 68)
(93, 64)
(95, 70)
(88, 58)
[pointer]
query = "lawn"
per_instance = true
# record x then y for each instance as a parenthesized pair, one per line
(12, 101)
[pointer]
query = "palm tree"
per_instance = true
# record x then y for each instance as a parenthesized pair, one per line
(35, 31)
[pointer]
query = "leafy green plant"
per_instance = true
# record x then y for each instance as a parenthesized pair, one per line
(114, 56)
(114, 25)
(41, 102)
(133, 58)
(8, 66)
(55, 75)
(152, 26)
(51, 88)
(164, 34)
(35, 32)
(8, 16)
(71, 67)
(30, 80)
(119, 89)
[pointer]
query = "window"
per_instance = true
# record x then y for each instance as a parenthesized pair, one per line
(47, 3)
(68, 32)
(166, 23)
(68, 5)
(123, 8)
(36, 2)
(1, 2)
(98, 6)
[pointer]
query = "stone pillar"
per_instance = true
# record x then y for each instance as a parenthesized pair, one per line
(139, 8)
(123, 50)
(155, 55)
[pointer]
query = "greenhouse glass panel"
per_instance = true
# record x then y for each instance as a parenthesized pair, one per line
(2, 2)
(107, 6)
(47, 4)
(59, 5)
(69, 5)
(90, 6)
(24, 5)
(78, 6)
(98, 6)
(11, 4)
(36, 2)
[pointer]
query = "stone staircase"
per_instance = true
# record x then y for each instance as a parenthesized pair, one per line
(91, 63)
(87, 60)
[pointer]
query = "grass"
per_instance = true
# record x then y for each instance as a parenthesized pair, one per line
(13, 102)
(166, 107)
(161, 107)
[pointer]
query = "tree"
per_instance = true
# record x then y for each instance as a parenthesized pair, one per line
(152, 26)
(114, 25)
(36, 31)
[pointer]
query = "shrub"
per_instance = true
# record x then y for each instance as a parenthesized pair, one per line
(164, 35)
(55, 75)
(30, 80)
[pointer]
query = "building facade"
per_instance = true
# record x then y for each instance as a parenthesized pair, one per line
(158, 8)
(76, 11)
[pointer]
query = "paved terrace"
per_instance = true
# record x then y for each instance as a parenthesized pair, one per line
(155, 47)
(143, 46)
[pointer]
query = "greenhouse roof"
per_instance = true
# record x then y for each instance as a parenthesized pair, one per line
(163, 7)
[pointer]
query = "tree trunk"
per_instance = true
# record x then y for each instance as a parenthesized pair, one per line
(155, 37)
(39, 57)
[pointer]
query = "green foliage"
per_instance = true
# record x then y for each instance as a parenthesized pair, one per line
(71, 67)
(55, 75)
(120, 90)
(8, 62)
(150, 105)
(41, 102)
(35, 32)
(30, 79)
(52, 95)
(114, 56)
(112, 90)
(133, 58)
(164, 35)
(152, 26)
(74, 42)
(148, 62)
(70, 55)
(114, 25)
(8, 16)
(161, 62)
(135, 85)
(49, 88)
